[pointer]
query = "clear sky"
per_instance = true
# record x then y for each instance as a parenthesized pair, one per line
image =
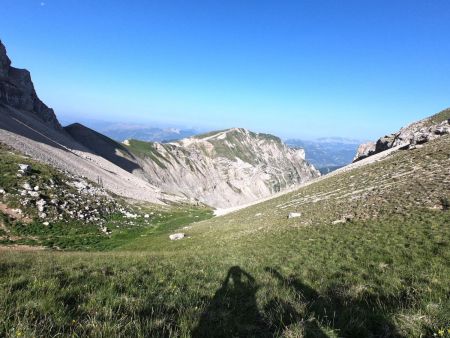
(354, 68)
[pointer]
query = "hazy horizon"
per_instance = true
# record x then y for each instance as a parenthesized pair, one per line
(103, 125)
(293, 69)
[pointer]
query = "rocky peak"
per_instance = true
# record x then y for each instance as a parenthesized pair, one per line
(5, 62)
(17, 91)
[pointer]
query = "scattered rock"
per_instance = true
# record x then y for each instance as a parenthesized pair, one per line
(294, 215)
(40, 205)
(33, 193)
(2, 191)
(36, 188)
(177, 236)
(258, 214)
(24, 168)
(46, 223)
(27, 186)
(344, 219)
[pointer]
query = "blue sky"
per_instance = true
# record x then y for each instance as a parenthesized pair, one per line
(302, 69)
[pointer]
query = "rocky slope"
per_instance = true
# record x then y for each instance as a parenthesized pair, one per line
(29, 126)
(225, 168)
(410, 136)
(221, 169)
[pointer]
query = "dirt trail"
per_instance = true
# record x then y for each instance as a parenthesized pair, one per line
(21, 248)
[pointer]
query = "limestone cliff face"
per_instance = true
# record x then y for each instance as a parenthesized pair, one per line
(222, 169)
(410, 136)
(17, 91)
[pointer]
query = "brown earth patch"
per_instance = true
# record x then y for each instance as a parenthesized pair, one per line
(14, 214)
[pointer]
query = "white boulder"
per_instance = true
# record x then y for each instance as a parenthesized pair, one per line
(27, 186)
(177, 236)
(294, 215)
(24, 168)
(40, 205)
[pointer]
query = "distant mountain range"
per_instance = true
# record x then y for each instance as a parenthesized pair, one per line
(120, 131)
(327, 154)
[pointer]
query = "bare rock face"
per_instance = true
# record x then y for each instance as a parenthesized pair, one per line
(5, 62)
(224, 168)
(365, 150)
(408, 137)
(17, 90)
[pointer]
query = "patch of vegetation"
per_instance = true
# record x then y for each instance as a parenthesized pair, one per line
(441, 116)
(269, 137)
(211, 133)
(147, 149)
(67, 232)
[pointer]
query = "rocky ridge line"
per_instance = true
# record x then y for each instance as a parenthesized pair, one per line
(408, 137)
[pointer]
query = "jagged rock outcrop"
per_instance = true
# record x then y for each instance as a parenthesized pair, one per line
(17, 90)
(410, 136)
(364, 150)
(223, 169)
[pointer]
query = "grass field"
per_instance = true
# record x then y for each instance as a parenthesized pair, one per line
(369, 257)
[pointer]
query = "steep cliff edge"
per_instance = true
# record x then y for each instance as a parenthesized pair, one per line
(17, 91)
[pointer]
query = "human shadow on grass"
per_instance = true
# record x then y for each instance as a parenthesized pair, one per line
(365, 316)
(233, 311)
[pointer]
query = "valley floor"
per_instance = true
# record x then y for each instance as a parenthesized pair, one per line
(383, 278)
(369, 257)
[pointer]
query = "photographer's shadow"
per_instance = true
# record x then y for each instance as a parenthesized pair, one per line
(233, 311)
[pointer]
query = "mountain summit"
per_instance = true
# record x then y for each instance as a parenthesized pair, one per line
(17, 90)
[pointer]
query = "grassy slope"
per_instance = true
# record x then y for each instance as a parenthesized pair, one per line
(147, 149)
(441, 116)
(257, 273)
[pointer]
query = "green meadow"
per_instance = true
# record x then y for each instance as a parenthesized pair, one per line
(368, 257)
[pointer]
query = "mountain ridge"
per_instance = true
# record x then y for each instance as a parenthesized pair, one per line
(409, 137)
(240, 167)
